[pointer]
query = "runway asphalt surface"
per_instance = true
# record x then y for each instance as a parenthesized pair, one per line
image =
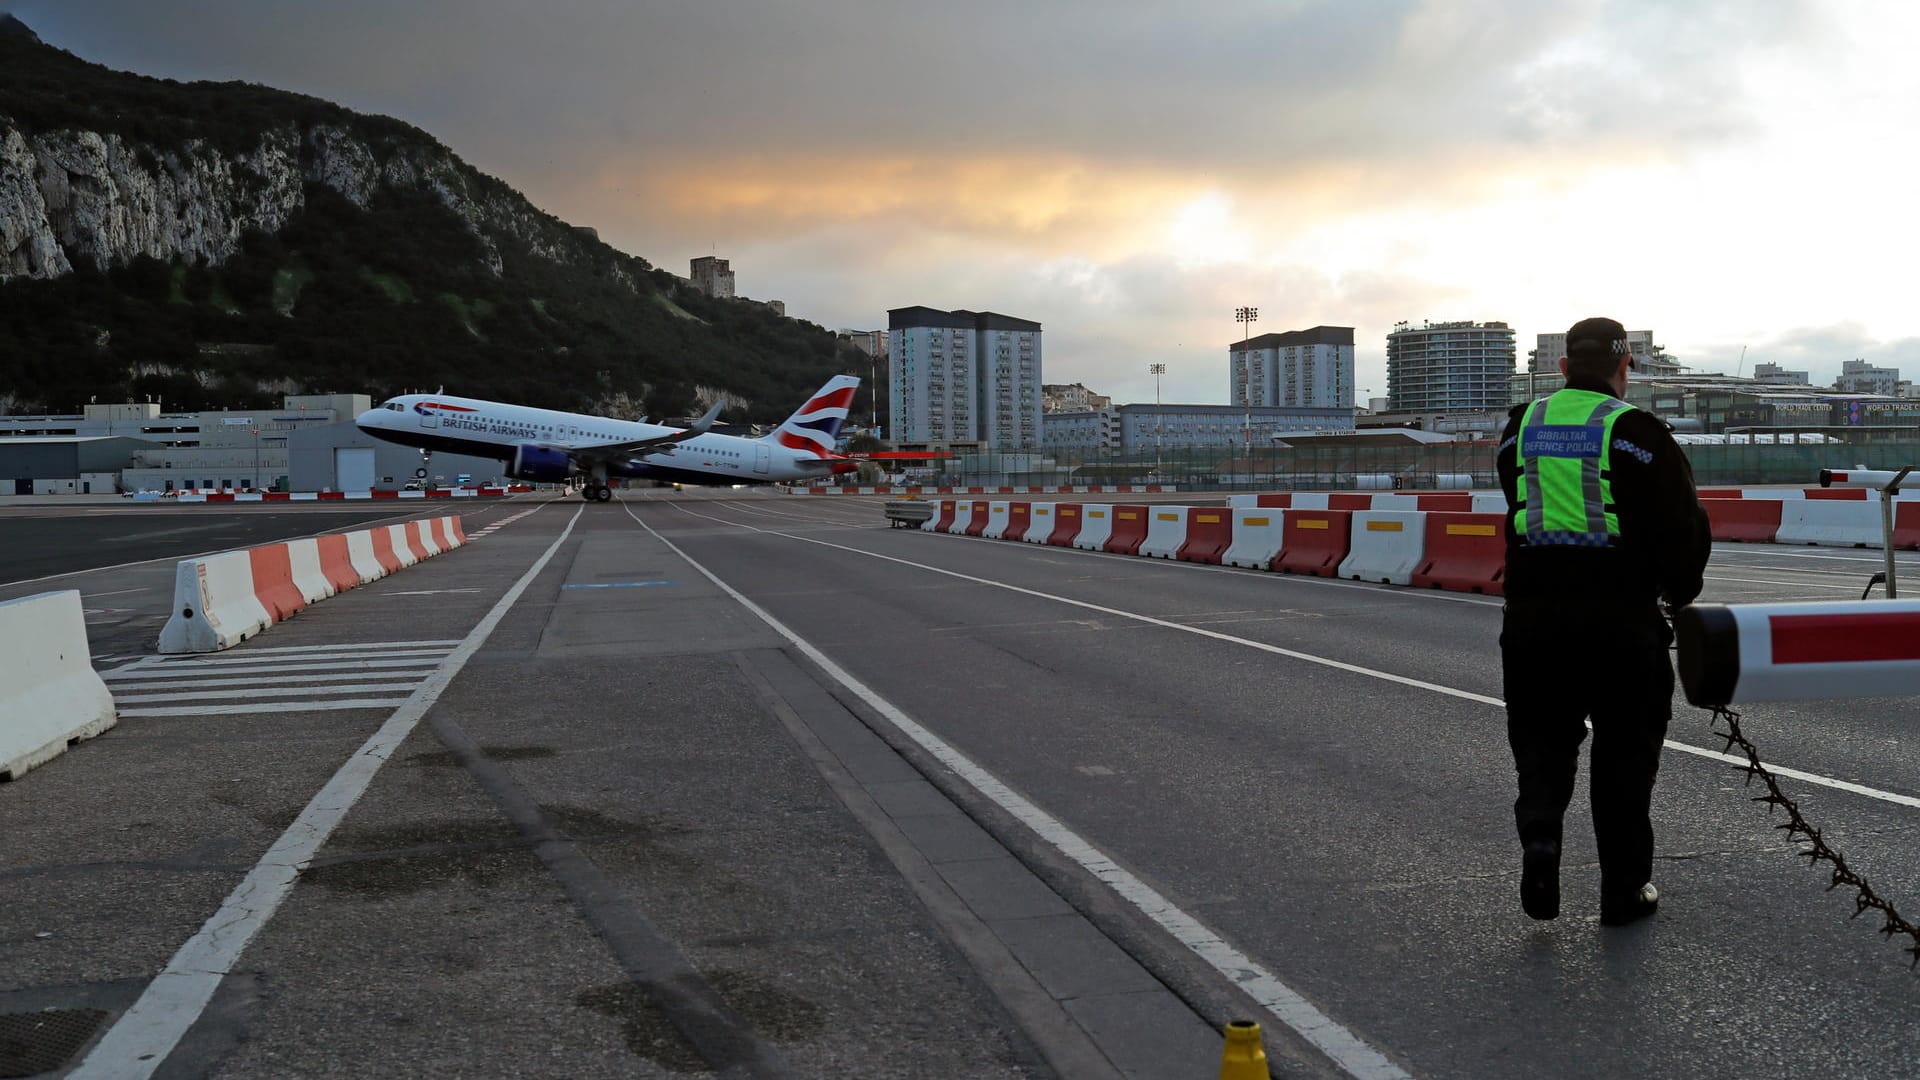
(753, 780)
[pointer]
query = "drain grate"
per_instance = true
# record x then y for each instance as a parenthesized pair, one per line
(32, 1043)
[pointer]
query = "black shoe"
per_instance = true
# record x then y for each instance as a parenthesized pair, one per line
(1619, 911)
(1540, 879)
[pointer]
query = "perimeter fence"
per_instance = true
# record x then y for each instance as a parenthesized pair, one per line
(1411, 467)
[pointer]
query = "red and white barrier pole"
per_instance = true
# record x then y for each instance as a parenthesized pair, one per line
(1739, 653)
(1888, 485)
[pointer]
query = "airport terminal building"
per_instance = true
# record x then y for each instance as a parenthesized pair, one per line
(309, 443)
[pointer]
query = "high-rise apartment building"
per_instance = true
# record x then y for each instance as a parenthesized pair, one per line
(964, 377)
(1312, 368)
(1648, 358)
(713, 276)
(1449, 366)
(1860, 377)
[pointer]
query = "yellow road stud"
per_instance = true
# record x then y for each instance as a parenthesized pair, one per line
(1243, 1058)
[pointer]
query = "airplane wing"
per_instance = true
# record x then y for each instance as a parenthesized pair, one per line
(641, 447)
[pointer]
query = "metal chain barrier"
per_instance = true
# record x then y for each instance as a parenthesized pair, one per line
(1817, 849)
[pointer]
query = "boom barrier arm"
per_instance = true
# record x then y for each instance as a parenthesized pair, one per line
(1740, 653)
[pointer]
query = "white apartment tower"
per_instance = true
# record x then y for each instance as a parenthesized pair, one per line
(1312, 368)
(964, 377)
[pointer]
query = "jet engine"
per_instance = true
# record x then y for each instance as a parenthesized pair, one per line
(540, 465)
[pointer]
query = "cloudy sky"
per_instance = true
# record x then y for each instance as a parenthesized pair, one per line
(1726, 173)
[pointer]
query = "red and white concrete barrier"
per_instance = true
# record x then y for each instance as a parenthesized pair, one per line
(1739, 653)
(221, 600)
(1209, 535)
(1386, 546)
(1067, 519)
(1465, 553)
(997, 512)
(1257, 537)
(50, 696)
(1830, 523)
(1039, 523)
(1166, 532)
(1096, 525)
(894, 489)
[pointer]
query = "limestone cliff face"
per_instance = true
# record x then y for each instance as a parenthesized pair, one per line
(72, 198)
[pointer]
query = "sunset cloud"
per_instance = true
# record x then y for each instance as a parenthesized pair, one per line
(1719, 171)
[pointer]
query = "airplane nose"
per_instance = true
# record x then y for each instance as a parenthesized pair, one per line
(370, 418)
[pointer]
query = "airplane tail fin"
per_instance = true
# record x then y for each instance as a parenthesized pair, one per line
(816, 425)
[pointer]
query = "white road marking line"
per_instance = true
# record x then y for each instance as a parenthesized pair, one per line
(140, 1041)
(1787, 584)
(264, 707)
(1386, 676)
(219, 661)
(250, 650)
(1343, 1047)
(116, 592)
(400, 678)
(187, 671)
(260, 694)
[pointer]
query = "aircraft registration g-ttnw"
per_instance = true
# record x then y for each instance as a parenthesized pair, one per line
(546, 446)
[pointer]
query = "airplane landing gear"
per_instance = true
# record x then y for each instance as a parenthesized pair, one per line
(593, 492)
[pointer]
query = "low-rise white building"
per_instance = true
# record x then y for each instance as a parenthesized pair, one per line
(1139, 429)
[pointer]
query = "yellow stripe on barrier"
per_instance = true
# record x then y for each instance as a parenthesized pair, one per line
(1168, 517)
(1470, 530)
(1126, 515)
(1067, 511)
(1383, 526)
(1206, 519)
(1254, 521)
(1041, 511)
(1096, 513)
(1311, 523)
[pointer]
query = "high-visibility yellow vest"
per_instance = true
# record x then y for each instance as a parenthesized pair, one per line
(1565, 453)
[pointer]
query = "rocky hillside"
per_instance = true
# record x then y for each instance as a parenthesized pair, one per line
(226, 243)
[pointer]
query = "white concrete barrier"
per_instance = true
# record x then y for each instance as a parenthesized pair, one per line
(962, 516)
(397, 535)
(1309, 500)
(1096, 526)
(996, 520)
(50, 696)
(1257, 537)
(1166, 531)
(1386, 546)
(1395, 502)
(1489, 502)
(1829, 523)
(360, 552)
(429, 535)
(214, 604)
(308, 577)
(1243, 500)
(1040, 523)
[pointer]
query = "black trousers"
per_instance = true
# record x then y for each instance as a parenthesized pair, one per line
(1562, 668)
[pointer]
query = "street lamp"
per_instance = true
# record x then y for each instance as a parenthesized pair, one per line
(1159, 421)
(1246, 317)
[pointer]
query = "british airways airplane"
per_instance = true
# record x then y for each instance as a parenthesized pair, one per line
(546, 446)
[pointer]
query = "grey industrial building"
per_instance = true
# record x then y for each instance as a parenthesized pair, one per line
(65, 465)
(341, 457)
(308, 443)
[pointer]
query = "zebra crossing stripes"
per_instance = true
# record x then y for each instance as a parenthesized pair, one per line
(489, 529)
(299, 678)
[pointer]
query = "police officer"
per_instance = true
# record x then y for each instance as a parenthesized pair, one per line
(1604, 527)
